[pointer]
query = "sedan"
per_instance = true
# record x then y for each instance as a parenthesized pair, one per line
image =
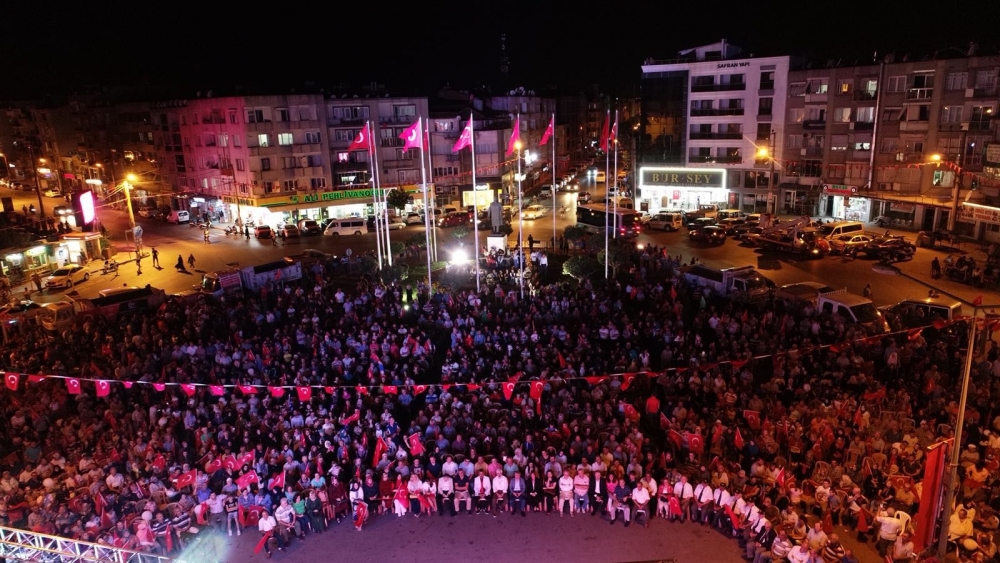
(752, 235)
(893, 248)
(709, 235)
(534, 212)
(52, 193)
(848, 243)
(454, 219)
(414, 219)
(262, 231)
(22, 309)
(62, 210)
(396, 223)
(67, 276)
(288, 231)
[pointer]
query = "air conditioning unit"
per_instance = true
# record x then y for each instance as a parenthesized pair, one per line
(884, 186)
(965, 126)
(454, 190)
(970, 92)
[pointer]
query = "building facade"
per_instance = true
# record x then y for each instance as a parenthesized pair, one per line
(710, 108)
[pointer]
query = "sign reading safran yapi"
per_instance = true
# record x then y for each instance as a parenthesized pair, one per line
(682, 177)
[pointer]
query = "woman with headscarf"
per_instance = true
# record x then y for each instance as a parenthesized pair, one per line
(400, 497)
(357, 496)
(385, 492)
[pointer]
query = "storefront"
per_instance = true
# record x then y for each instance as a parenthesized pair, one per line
(985, 220)
(681, 188)
(78, 248)
(19, 266)
(288, 208)
(842, 202)
(481, 197)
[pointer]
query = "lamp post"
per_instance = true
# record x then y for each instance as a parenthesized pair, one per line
(520, 218)
(768, 153)
(38, 180)
(127, 186)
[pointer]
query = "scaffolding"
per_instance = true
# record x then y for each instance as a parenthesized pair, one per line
(22, 545)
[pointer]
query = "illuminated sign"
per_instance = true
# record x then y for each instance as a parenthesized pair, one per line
(682, 177)
(972, 212)
(86, 206)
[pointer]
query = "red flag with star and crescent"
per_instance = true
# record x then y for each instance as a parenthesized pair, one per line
(627, 380)
(465, 139)
(12, 380)
(738, 439)
(361, 141)
(535, 392)
(278, 482)
(515, 137)
(753, 419)
(416, 446)
(380, 448)
(695, 442)
(102, 388)
(216, 390)
(245, 459)
(412, 139)
(186, 479)
(230, 462)
(508, 389)
(305, 393)
(548, 131)
(73, 386)
(675, 438)
(276, 392)
(188, 389)
(244, 481)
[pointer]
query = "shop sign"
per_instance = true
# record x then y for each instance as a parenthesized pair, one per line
(979, 213)
(839, 189)
(902, 207)
(993, 154)
(682, 177)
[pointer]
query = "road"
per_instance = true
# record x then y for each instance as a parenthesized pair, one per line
(181, 240)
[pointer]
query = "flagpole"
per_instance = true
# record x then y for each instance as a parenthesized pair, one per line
(607, 168)
(475, 197)
(385, 201)
(553, 141)
(427, 214)
(430, 173)
(615, 129)
(520, 208)
(371, 170)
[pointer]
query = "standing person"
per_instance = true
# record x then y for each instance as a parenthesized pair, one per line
(191, 260)
(180, 264)
(232, 507)
(37, 280)
(935, 268)
(138, 264)
(246, 233)
(156, 258)
(206, 236)
(867, 293)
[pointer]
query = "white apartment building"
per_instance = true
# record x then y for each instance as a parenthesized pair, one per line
(706, 115)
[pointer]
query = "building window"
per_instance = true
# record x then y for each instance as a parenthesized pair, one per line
(265, 164)
(284, 139)
(950, 147)
(838, 142)
(889, 146)
(767, 80)
(797, 115)
(223, 140)
(979, 118)
(951, 114)
(408, 176)
(403, 155)
(255, 116)
(237, 142)
(864, 114)
(844, 86)
(282, 114)
(817, 86)
(306, 113)
(317, 183)
(345, 135)
(816, 113)
(943, 178)
(956, 81)
(404, 113)
(794, 142)
(797, 89)
(289, 162)
(918, 112)
(312, 137)
(290, 185)
(862, 145)
(841, 115)
(897, 84)
(240, 164)
(892, 114)
(913, 147)
(263, 140)
(974, 149)
(763, 132)
(764, 106)
(232, 117)
(444, 126)
(987, 80)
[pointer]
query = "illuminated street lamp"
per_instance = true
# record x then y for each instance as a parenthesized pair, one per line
(762, 153)
(127, 185)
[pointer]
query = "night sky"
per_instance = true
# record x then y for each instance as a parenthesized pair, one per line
(179, 48)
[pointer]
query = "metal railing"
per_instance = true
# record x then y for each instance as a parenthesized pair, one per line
(22, 545)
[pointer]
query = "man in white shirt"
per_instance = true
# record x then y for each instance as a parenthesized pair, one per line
(482, 486)
(640, 496)
(449, 468)
(266, 524)
(702, 505)
(446, 487)
(889, 529)
(565, 494)
(685, 494)
(115, 480)
(799, 554)
(287, 522)
(720, 500)
(500, 484)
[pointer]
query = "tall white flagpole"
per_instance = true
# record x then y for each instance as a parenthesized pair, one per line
(607, 194)
(520, 208)
(430, 173)
(552, 139)
(374, 184)
(615, 129)
(427, 211)
(378, 182)
(475, 197)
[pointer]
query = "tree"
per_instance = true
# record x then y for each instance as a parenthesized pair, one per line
(581, 267)
(575, 233)
(397, 199)
(460, 232)
(396, 247)
(420, 241)
(619, 252)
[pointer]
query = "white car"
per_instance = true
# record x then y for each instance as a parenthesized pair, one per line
(534, 212)
(414, 219)
(52, 193)
(396, 223)
(67, 276)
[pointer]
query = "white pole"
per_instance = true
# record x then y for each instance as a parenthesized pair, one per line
(475, 198)
(427, 215)
(378, 183)
(552, 139)
(430, 174)
(374, 184)
(379, 216)
(520, 210)
(615, 129)
(607, 168)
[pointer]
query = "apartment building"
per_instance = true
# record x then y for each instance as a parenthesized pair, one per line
(705, 116)
(903, 140)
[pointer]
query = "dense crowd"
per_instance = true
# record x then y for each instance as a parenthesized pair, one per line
(772, 423)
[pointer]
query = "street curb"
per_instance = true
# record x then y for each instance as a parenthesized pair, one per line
(938, 290)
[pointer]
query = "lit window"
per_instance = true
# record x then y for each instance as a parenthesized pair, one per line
(263, 140)
(284, 139)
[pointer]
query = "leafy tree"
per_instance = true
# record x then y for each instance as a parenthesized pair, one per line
(395, 273)
(574, 234)
(460, 232)
(619, 252)
(581, 267)
(417, 240)
(397, 247)
(397, 199)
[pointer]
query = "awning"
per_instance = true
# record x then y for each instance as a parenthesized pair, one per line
(933, 200)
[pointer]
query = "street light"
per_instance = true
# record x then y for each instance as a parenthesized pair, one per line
(520, 217)
(38, 182)
(127, 185)
(762, 153)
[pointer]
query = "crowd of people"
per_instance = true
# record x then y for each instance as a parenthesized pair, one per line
(638, 399)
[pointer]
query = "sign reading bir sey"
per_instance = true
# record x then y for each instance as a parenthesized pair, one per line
(682, 177)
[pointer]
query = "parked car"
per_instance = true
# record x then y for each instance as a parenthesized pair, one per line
(583, 197)
(52, 193)
(67, 276)
(751, 235)
(802, 291)
(62, 210)
(454, 219)
(149, 212)
(414, 219)
(709, 235)
(846, 243)
(178, 216)
(739, 230)
(665, 221)
(534, 212)
(730, 224)
(310, 227)
(288, 231)
(700, 223)
(22, 309)
(262, 231)
(545, 192)
(396, 222)
(892, 248)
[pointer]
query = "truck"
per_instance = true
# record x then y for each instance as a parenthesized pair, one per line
(111, 305)
(250, 278)
(743, 283)
(798, 237)
(854, 309)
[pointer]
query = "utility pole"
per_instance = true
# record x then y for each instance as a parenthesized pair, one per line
(38, 182)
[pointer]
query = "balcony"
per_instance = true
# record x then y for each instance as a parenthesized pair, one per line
(334, 122)
(911, 126)
(981, 92)
(812, 151)
(263, 151)
(979, 126)
(709, 159)
(767, 85)
(397, 120)
(814, 124)
(730, 87)
(394, 142)
(702, 136)
(919, 93)
(308, 171)
(863, 125)
(862, 95)
(306, 147)
(813, 98)
(452, 158)
(716, 112)
(765, 116)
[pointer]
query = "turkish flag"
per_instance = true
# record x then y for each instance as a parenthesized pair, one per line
(160, 463)
(548, 131)
(696, 443)
(605, 134)
(245, 459)
(188, 389)
(779, 477)
(472, 387)
(73, 386)
(36, 378)
(515, 136)
(627, 380)
(213, 466)
(355, 416)
(631, 413)
(329, 390)
(418, 389)
(738, 364)
(248, 389)
(753, 419)
(412, 139)
(186, 479)
(536, 389)
(229, 462)
(305, 393)
(914, 334)
(562, 360)
(596, 379)
(159, 387)
(362, 390)
(508, 390)
(738, 439)
(390, 390)
(380, 448)
(276, 392)
(416, 446)
(465, 139)
(12, 380)
(278, 482)
(216, 390)
(244, 481)
(664, 421)
(977, 301)
(103, 388)
(128, 384)
(676, 438)
(361, 141)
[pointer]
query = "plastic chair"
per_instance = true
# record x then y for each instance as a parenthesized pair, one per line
(904, 520)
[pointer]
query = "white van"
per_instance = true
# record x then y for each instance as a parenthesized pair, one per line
(351, 226)
(833, 230)
(730, 214)
(177, 217)
(666, 221)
